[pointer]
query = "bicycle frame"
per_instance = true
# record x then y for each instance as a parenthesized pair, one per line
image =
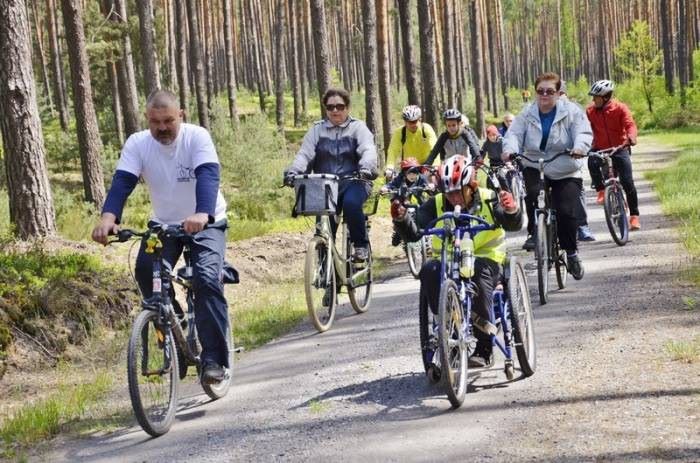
(341, 261)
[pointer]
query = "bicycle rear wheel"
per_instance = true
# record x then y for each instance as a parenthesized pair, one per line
(542, 254)
(416, 253)
(152, 372)
(453, 344)
(522, 321)
(319, 283)
(360, 287)
(616, 214)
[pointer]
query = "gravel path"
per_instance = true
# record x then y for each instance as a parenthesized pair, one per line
(605, 389)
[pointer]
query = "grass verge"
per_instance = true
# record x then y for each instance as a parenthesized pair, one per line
(684, 351)
(677, 187)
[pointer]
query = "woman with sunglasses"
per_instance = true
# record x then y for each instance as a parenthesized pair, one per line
(543, 129)
(341, 145)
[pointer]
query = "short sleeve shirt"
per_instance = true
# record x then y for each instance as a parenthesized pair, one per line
(168, 171)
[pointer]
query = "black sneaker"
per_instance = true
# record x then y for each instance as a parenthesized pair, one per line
(361, 254)
(212, 373)
(575, 267)
(395, 239)
(529, 244)
(480, 359)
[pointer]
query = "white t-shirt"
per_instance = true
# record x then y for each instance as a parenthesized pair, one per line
(169, 171)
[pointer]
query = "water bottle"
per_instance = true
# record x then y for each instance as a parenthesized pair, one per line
(466, 267)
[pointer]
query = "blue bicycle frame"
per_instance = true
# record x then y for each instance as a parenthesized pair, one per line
(454, 228)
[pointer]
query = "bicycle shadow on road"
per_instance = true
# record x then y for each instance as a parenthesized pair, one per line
(400, 397)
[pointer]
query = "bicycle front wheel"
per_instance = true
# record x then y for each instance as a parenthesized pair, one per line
(319, 283)
(152, 372)
(360, 287)
(616, 215)
(416, 253)
(542, 253)
(521, 318)
(453, 343)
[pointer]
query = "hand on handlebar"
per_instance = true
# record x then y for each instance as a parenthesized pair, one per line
(398, 210)
(507, 201)
(577, 153)
(195, 223)
(106, 227)
(384, 190)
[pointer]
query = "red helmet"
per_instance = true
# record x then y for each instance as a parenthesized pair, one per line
(457, 172)
(408, 164)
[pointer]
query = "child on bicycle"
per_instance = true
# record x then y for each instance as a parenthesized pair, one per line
(493, 147)
(460, 188)
(408, 177)
(457, 139)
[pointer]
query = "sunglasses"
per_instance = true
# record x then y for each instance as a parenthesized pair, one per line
(335, 107)
(546, 91)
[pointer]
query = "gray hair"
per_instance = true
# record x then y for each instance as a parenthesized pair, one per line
(159, 99)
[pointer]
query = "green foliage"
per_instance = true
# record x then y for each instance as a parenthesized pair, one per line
(638, 56)
(45, 419)
(677, 186)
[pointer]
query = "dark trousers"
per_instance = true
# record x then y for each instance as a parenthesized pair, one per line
(622, 163)
(487, 274)
(210, 308)
(351, 197)
(566, 200)
(582, 214)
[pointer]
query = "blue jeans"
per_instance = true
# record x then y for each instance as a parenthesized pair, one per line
(351, 196)
(210, 307)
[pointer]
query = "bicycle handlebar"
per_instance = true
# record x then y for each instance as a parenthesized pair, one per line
(170, 231)
(538, 160)
(480, 226)
(607, 152)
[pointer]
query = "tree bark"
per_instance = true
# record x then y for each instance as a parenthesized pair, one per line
(427, 62)
(230, 69)
(320, 42)
(197, 63)
(59, 83)
(279, 65)
(477, 64)
(125, 70)
(369, 27)
(183, 84)
(116, 105)
(90, 145)
(151, 74)
(667, 43)
(448, 37)
(303, 53)
(412, 85)
(294, 48)
(42, 57)
(31, 206)
(383, 68)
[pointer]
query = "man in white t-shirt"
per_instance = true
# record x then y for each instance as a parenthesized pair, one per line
(180, 167)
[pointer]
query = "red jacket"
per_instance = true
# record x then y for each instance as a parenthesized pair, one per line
(612, 124)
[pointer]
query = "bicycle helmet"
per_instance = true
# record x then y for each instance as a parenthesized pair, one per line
(411, 113)
(409, 165)
(452, 114)
(601, 88)
(455, 173)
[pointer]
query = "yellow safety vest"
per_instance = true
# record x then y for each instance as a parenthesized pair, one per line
(489, 244)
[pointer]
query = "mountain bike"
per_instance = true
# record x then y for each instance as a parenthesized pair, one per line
(417, 251)
(447, 337)
(164, 340)
(547, 251)
(615, 205)
(328, 267)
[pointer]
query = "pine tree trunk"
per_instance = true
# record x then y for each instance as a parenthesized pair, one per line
(230, 69)
(125, 70)
(667, 43)
(383, 69)
(208, 58)
(448, 34)
(171, 46)
(322, 54)
(31, 206)
(427, 62)
(197, 63)
(294, 48)
(280, 77)
(682, 43)
(493, 61)
(303, 54)
(255, 56)
(410, 71)
(183, 84)
(59, 84)
(151, 74)
(477, 64)
(116, 105)
(42, 58)
(89, 142)
(369, 29)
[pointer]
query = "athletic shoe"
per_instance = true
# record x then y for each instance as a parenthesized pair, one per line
(634, 223)
(585, 233)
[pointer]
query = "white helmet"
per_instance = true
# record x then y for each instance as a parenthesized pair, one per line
(457, 172)
(411, 113)
(602, 88)
(452, 114)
